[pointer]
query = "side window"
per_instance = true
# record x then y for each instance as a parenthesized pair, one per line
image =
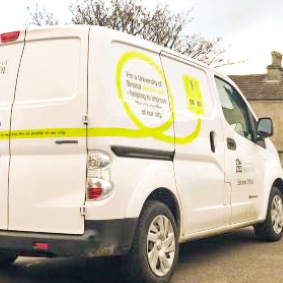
(235, 110)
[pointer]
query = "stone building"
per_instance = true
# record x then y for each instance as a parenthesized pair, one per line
(265, 94)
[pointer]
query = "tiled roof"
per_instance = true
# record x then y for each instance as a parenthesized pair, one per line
(257, 87)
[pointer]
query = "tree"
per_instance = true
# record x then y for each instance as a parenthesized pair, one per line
(159, 25)
(40, 16)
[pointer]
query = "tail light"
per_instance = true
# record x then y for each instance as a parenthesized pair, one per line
(98, 175)
(9, 36)
(41, 246)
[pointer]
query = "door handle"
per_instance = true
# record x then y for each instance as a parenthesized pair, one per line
(231, 144)
(212, 141)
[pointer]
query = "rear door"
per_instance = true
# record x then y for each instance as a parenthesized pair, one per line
(48, 137)
(10, 56)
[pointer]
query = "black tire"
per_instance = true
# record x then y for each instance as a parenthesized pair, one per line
(272, 228)
(136, 265)
(6, 258)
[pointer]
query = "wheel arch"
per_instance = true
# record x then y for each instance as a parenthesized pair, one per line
(162, 194)
(278, 183)
(271, 228)
(157, 183)
(168, 198)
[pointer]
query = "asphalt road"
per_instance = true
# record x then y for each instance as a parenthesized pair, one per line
(235, 257)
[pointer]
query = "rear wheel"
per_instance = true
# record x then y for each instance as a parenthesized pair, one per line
(272, 228)
(154, 254)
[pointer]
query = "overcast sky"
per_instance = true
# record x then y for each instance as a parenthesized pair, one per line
(252, 28)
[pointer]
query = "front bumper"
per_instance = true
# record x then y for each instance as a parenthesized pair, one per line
(101, 238)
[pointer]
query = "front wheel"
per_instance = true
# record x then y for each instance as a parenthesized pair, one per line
(154, 254)
(272, 228)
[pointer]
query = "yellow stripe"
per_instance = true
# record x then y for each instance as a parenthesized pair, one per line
(43, 133)
(100, 132)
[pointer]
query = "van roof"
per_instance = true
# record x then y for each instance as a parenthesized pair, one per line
(110, 35)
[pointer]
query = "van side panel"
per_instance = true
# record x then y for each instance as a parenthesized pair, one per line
(199, 148)
(10, 56)
(130, 119)
(48, 145)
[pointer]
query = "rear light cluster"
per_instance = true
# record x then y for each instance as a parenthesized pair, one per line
(41, 246)
(98, 175)
(9, 36)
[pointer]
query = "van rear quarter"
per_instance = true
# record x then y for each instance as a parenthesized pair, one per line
(130, 118)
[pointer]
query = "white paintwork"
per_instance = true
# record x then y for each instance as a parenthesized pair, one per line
(10, 55)
(124, 85)
(47, 180)
(199, 171)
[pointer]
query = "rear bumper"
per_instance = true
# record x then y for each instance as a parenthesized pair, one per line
(101, 238)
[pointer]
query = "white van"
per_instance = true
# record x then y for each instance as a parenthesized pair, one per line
(111, 145)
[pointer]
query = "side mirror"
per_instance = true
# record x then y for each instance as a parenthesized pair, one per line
(264, 128)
